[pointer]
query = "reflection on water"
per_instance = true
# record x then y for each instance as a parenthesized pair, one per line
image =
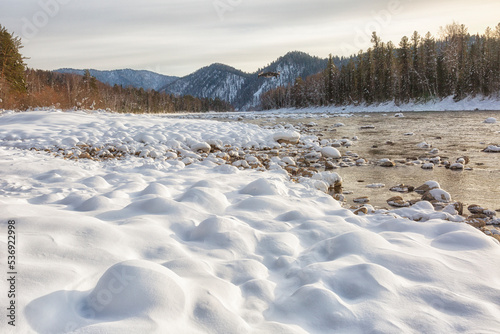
(455, 134)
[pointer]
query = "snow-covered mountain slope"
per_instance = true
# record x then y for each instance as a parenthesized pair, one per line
(127, 77)
(243, 89)
(214, 81)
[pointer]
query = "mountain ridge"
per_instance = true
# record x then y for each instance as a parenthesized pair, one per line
(218, 80)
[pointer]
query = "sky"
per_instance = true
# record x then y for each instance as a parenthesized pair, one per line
(177, 37)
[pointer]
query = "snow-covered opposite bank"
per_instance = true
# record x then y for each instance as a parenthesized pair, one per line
(154, 246)
(447, 104)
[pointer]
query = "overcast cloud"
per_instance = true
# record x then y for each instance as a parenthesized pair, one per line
(177, 37)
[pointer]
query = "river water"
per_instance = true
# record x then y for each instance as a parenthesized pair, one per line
(454, 134)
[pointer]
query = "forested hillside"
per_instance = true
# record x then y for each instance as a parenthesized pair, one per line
(420, 68)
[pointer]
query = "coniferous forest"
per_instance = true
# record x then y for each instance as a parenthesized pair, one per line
(419, 68)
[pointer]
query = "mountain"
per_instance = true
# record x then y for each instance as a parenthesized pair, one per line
(214, 81)
(220, 81)
(242, 89)
(127, 77)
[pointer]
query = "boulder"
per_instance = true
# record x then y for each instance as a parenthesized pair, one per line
(398, 202)
(429, 185)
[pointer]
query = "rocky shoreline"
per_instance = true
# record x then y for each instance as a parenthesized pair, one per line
(300, 152)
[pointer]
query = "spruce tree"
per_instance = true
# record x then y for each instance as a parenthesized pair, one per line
(12, 67)
(404, 70)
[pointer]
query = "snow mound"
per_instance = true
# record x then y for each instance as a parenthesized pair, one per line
(134, 288)
(156, 189)
(263, 186)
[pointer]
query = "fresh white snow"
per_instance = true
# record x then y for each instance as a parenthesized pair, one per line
(143, 245)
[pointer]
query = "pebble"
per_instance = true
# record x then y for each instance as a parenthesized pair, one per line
(363, 199)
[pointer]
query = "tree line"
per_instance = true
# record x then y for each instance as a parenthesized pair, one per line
(421, 68)
(23, 88)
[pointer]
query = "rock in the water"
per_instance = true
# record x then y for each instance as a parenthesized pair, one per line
(424, 145)
(429, 165)
(402, 188)
(376, 185)
(386, 163)
(475, 209)
(398, 202)
(429, 185)
(492, 149)
(363, 199)
(437, 195)
(457, 166)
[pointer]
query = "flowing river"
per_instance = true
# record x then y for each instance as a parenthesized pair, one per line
(454, 134)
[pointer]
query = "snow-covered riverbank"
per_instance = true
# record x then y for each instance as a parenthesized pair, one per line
(185, 243)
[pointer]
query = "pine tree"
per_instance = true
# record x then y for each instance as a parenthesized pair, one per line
(404, 70)
(429, 66)
(12, 67)
(330, 75)
(415, 68)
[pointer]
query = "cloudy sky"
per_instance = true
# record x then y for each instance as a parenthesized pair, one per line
(177, 37)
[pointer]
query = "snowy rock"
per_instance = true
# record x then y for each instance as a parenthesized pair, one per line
(289, 161)
(201, 147)
(331, 152)
(490, 120)
(424, 145)
(429, 165)
(456, 166)
(429, 185)
(376, 185)
(361, 200)
(492, 149)
(287, 137)
(386, 163)
(437, 195)
(402, 188)
(398, 202)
